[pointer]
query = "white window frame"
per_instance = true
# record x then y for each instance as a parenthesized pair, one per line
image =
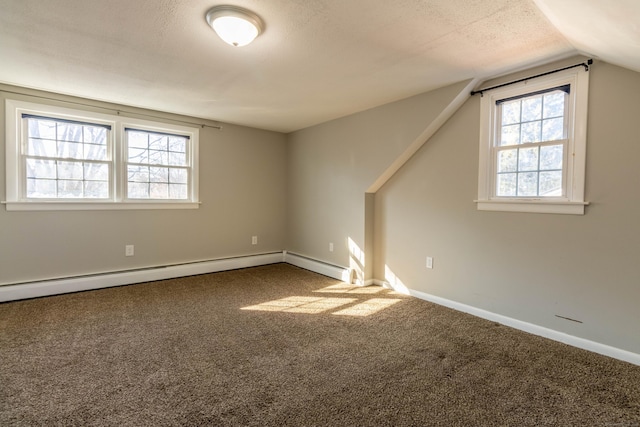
(16, 199)
(572, 201)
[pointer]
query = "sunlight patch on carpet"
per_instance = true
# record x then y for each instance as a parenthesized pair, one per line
(368, 307)
(295, 304)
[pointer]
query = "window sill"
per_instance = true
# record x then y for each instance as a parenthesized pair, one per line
(96, 206)
(532, 206)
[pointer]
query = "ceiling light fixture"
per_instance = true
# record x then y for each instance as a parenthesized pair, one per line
(235, 25)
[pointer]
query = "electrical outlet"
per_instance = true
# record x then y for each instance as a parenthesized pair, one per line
(429, 262)
(254, 240)
(330, 247)
(128, 250)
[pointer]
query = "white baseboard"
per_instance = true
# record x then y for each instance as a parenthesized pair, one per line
(97, 281)
(571, 340)
(317, 266)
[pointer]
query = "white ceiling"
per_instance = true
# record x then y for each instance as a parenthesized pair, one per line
(316, 61)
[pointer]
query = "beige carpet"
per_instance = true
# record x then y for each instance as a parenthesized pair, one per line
(278, 345)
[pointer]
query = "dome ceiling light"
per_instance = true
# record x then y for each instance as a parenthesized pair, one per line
(235, 25)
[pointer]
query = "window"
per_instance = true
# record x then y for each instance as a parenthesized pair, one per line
(532, 145)
(59, 158)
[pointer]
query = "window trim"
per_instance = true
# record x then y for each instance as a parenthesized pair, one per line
(573, 201)
(14, 109)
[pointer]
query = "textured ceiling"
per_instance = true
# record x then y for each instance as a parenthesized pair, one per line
(316, 61)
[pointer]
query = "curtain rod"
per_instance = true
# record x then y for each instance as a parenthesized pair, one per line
(115, 110)
(583, 64)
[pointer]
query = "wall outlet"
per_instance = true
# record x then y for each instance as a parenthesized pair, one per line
(254, 240)
(429, 262)
(128, 250)
(330, 247)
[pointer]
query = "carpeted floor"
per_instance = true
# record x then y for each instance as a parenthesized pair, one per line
(281, 346)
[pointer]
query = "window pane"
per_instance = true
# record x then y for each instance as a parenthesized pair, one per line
(510, 135)
(531, 132)
(177, 144)
(138, 173)
(136, 190)
(45, 129)
(554, 104)
(70, 189)
(159, 191)
(159, 175)
(39, 168)
(42, 147)
(177, 191)
(70, 170)
(41, 188)
(96, 189)
(508, 161)
(532, 108)
(96, 172)
(553, 129)
(95, 135)
(137, 139)
(528, 159)
(551, 157)
(158, 157)
(506, 185)
(528, 184)
(551, 184)
(70, 150)
(511, 112)
(69, 132)
(137, 155)
(158, 142)
(178, 176)
(177, 159)
(95, 152)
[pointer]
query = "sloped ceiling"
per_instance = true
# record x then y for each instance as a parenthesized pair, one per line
(316, 61)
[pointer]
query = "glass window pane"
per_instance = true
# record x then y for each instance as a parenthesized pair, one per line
(96, 189)
(531, 132)
(532, 108)
(70, 188)
(177, 159)
(178, 176)
(158, 142)
(39, 128)
(69, 132)
(553, 129)
(39, 168)
(95, 135)
(42, 147)
(138, 173)
(551, 184)
(41, 188)
(159, 175)
(96, 172)
(554, 104)
(70, 150)
(551, 157)
(137, 190)
(177, 144)
(137, 155)
(158, 157)
(137, 139)
(159, 191)
(70, 170)
(177, 191)
(506, 185)
(510, 135)
(508, 161)
(95, 152)
(528, 159)
(528, 184)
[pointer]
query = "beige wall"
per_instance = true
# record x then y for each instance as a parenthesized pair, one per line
(530, 267)
(330, 166)
(242, 189)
